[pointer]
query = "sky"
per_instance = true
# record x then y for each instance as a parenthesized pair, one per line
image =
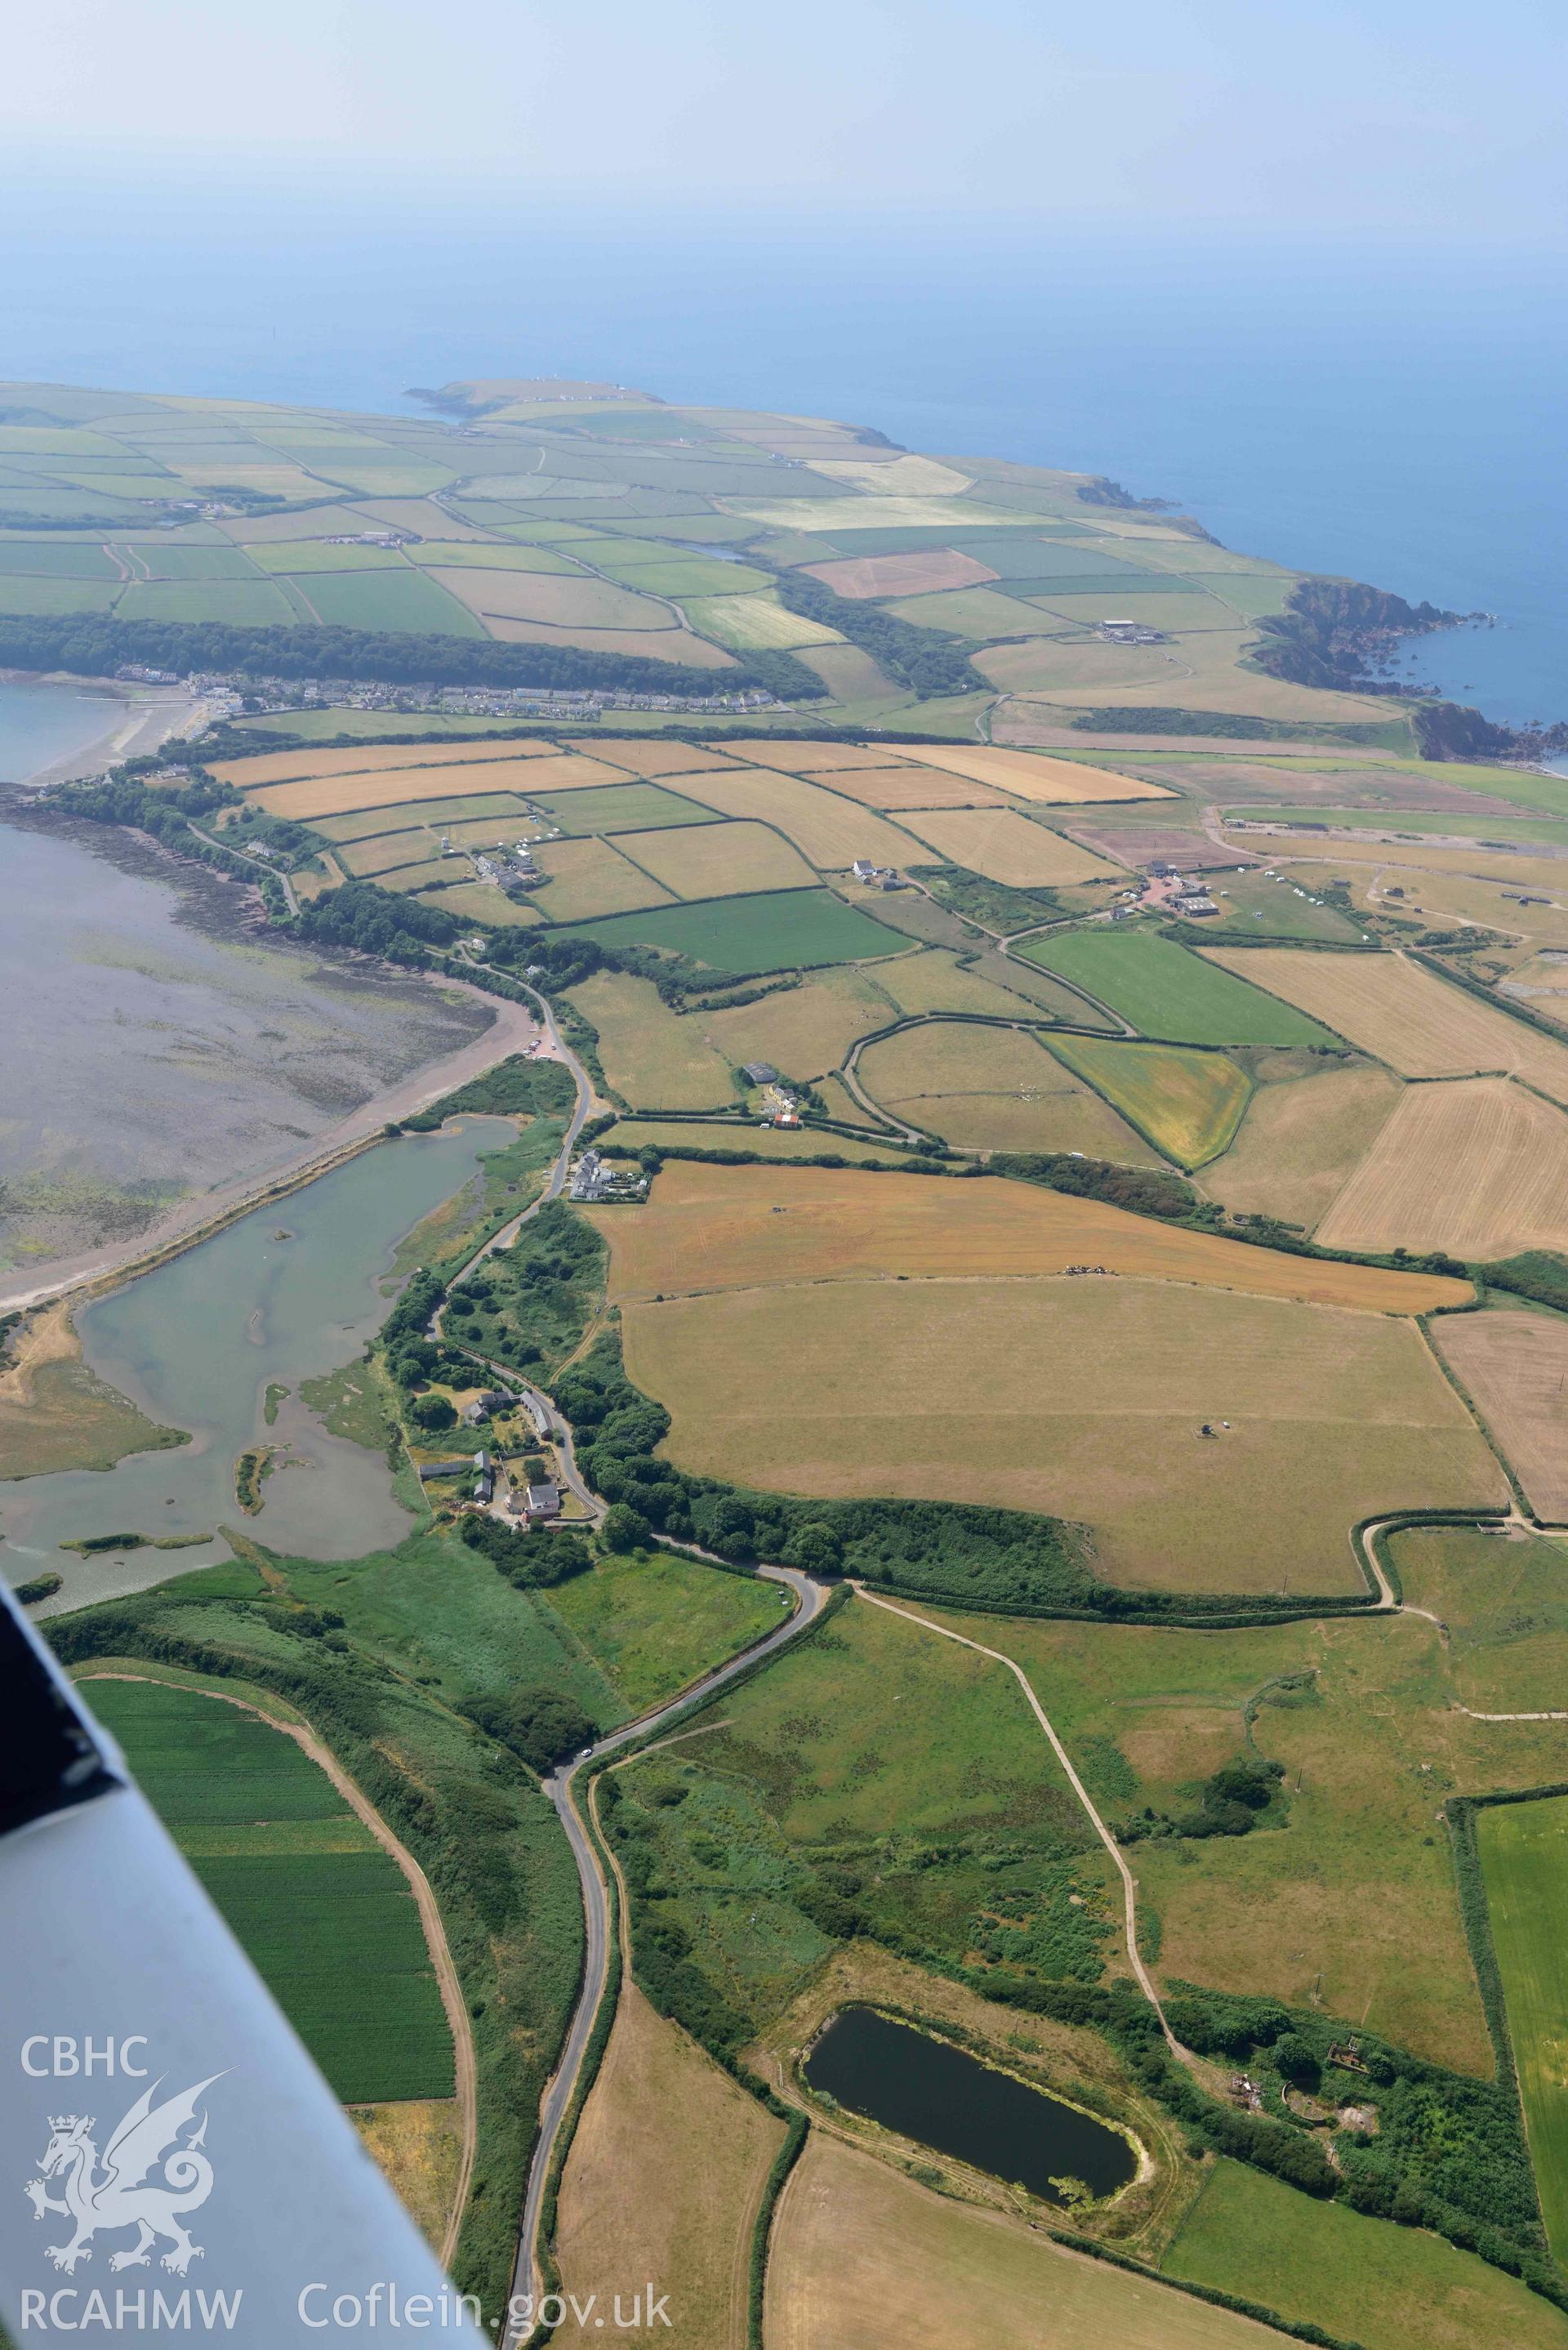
(1425, 119)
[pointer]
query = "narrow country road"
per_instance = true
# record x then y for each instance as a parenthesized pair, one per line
(559, 1787)
(262, 864)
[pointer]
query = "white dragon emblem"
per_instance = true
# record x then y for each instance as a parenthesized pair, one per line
(123, 2194)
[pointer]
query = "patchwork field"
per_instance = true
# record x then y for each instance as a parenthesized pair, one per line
(504, 807)
(1167, 992)
(1400, 1014)
(350, 759)
(829, 832)
(325, 1913)
(1360, 2279)
(745, 1137)
(377, 787)
(718, 861)
(1524, 1858)
(984, 1089)
(861, 576)
(1188, 1104)
(1301, 1142)
(1475, 1167)
(865, 2259)
(1006, 847)
(1515, 1367)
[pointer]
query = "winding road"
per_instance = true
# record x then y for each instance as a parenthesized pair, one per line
(560, 1787)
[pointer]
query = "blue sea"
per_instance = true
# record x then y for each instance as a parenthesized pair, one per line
(1391, 414)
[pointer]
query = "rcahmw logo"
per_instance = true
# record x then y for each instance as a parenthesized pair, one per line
(153, 2173)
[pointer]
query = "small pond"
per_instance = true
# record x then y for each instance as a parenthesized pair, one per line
(929, 2090)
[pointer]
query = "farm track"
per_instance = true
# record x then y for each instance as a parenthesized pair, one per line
(465, 2069)
(1129, 1883)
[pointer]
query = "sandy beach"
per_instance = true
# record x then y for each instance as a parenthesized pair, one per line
(136, 720)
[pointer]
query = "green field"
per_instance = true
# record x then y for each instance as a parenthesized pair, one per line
(655, 1624)
(403, 598)
(1362, 2279)
(323, 1912)
(1165, 990)
(168, 560)
(235, 603)
(1188, 1104)
(1524, 1859)
(56, 559)
(784, 929)
(621, 807)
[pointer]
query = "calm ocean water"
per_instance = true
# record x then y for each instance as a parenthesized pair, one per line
(1396, 416)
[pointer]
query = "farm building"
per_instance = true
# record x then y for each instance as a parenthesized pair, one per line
(543, 1501)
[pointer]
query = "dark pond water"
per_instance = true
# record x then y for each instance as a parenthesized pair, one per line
(925, 2089)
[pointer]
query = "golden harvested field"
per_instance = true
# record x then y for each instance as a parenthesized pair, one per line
(286, 767)
(717, 860)
(1476, 1167)
(576, 603)
(646, 755)
(1300, 1143)
(829, 833)
(1032, 776)
(807, 758)
(1515, 1365)
(803, 1031)
(478, 902)
(1400, 1014)
(1412, 861)
(709, 1227)
(377, 786)
(995, 1089)
(1080, 1397)
(657, 1058)
(682, 2215)
(1006, 847)
(1464, 898)
(865, 2259)
(902, 575)
(589, 877)
(910, 787)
